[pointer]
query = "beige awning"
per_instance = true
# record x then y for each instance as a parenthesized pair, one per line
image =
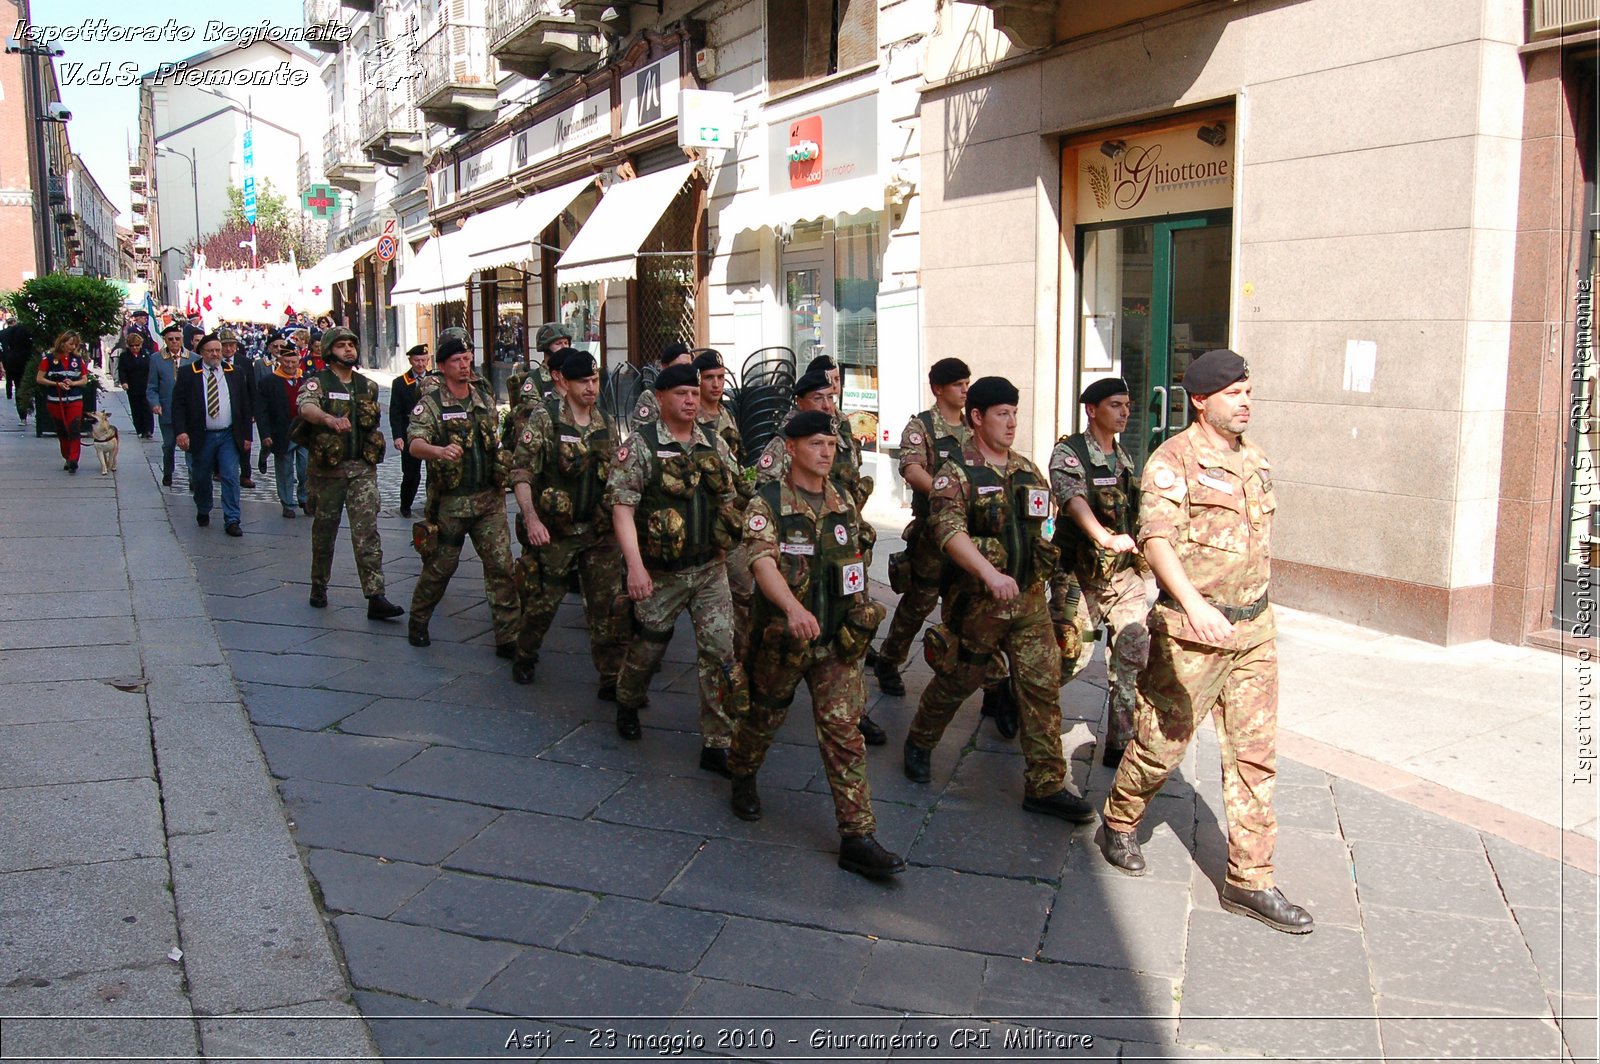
(336, 268)
(510, 234)
(752, 210)
(437, 273)
(607, 247)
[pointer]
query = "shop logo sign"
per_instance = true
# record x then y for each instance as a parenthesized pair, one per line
(647, 86)
(1138, 169)
(805, 152)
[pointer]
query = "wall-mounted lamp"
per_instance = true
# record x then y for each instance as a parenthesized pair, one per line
(1215, 135)
(1113, 149)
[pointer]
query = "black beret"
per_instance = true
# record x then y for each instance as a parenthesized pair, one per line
(577, 365)
(708, 359)
(420, 349)
(809, 423)
(173, 328)
(451, 345)
(206, 339)
(813, 380)
(673, 350)
(1103, 389)
(1214, 371)
(991, 391)
(141, 314)
(948, 371)
(677, 377)
(822, 362)
(556, 361)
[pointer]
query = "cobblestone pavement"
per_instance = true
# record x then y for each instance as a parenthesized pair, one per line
(505, 877)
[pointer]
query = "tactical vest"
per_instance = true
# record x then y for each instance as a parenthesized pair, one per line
(1009, 512)
(1114, 500)
(679, 505)
(570, 486)
(473, 428)
(813, 558)
(361, 408)
(945, 448)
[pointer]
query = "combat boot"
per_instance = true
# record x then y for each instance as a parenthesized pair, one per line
(862, 855)
(1112, 757)
(999, 703)
(1063, 804)
(1269, 906)
(628, 722)
(508, 651)
(607, 691)
(522, 670)
(715, 759)
(1121, 850)
(919, 763)
(418, 637)
(871, 732)
(746, 801)
(380, 608)
(319, 596)
(889, 679)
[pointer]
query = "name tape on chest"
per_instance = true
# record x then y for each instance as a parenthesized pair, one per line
(990, 489)
(668, 454)
(571, 439)
(1038, 502)
(797, 548)
(1215, 482)
(455, 415)
(1105, 482)
(339, 395)
(852, 578)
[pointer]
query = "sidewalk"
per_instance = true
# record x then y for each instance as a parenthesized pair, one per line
(493, 861)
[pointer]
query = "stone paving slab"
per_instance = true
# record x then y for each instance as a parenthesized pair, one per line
(1454, 960)
(469, 726)
(400, 827)
(85, 1014)
(647, 933)
(273, 706)
(801, 960)
(1075, 998)
(47, 931)
(1427, 1030)
(553, 985)
(68, 752)
(558, 851)
(81, 823)
(909, 977)
(499, 909)
(504, 781)
(383, 955)
(367, 886)
(331, 757)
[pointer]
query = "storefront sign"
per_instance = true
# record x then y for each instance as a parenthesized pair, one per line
(485, 167)
(1166, 173)
(583, 123)
(860, 399)
(706, 119)
(835, 144)
(650, 94)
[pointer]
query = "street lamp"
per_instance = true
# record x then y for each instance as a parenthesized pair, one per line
(194, 183)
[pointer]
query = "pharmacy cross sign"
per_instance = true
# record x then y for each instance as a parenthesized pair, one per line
(320, 200)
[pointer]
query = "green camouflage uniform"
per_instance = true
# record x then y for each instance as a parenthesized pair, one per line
(740, 580)
(819, 555)
(1004, 512)
(653, 472)
(1214, 506)
(565, 466)
(773, 465)
(1111, 582)
(927, 443)
(466, 498)
(647, 411)
(342, 476)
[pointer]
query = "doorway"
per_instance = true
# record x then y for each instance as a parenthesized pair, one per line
(1153, 294)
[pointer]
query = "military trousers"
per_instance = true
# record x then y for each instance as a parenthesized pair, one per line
(328, 499)
(1021, 629)
(1119, 604)
(741, 587)
(703, 591)
(486, 524)
(838, 696)
(1183, 682)
(544, 578)
(927, 566)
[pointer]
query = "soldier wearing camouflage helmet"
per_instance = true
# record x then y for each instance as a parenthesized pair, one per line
(812, 619)
(551, 338)
(345, 441)
(560, 460)
(1206, 507)
(674, 509)
(987, 512)
(455, 428)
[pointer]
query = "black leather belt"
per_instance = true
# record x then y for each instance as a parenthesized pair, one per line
(1235, 614)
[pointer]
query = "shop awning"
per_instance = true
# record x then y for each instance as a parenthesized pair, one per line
(437, 273)
(511, 234)
(336, 268)
(607, 247)
(752, 210)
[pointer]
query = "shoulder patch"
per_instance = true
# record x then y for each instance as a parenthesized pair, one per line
(309, 386)
(1070, 460)
(643, 412)
(527, 436)
(1164, 478)
(757, 522)
(416, 411)
(622, 453)
(527, 386)
(940, 483)
(841, 534)
(915, 439)
(766, 460)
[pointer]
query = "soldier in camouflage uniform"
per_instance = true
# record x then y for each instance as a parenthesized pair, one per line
(649, 411)
(674, 510)
(1205, 524)
(988, 513)
(455, 428)
(1097, 495)
(551, 337)
(561, 458)
(813, 619)
(718, 419)
(340, 410)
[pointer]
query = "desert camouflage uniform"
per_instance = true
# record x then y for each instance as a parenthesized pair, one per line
(1111, 582)
(548, 454)
(1020, 628)
(926, 448)
(699, 586)
(467, 509)
(806, 546)
(342, 476)
(1215, 507)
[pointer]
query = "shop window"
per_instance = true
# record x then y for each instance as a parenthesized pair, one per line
(857, 270)
(811, 39)
(577, 306)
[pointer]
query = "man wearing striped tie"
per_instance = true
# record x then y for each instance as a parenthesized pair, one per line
(213, 412)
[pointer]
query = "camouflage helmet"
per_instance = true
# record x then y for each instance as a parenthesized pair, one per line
(549, 333)
(333, 336)
(455, 332)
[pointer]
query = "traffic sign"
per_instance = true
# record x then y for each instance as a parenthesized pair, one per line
(387, 246)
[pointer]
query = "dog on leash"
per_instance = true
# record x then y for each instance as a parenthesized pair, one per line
(106, 444)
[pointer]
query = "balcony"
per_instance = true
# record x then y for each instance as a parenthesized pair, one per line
(391, 129)
(135, 180)
(455, 80)
(343, 164)
(302, 172)
(1546, 18)
(141, 224)
(358, 5)
(57, 191)
(535, 37)
(323, 13)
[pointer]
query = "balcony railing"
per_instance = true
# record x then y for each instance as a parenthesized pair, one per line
(455, 77)
(530, 37)
(302, 172)
(342, 160)
(322, 13)
(1562, 16)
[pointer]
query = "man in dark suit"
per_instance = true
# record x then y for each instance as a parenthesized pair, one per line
(403, 396)
(213, 411)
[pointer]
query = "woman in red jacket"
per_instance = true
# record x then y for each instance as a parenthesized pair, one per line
(63, 374)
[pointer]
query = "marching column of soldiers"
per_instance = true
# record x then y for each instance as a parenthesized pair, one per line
(771, 562)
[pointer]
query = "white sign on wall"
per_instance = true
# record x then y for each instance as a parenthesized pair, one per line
(583, 123)
(1164, 173)
(706, 119)
(650, 94)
